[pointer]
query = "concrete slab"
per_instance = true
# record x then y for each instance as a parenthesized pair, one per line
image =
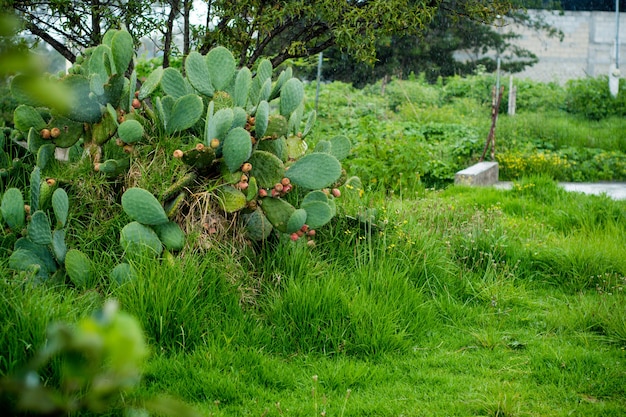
(480, 174)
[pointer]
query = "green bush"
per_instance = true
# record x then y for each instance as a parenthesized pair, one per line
(591, 98)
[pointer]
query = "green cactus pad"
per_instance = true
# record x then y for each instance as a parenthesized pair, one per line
(230, 199)
(58, 246)
(261, 119)
(60, 206)
(284, 75)
(257, 226)
(185, 113)
(178, 186)
(138, 240)
(96, 62)
(123, 273)
(316, 195)
(198, 73)
(323, 146)
(314, 171)
(318, 213)
(221, 65)
(45, 154)
(263, 73)
(267, 168)
(25, 117)
(277, 126)
(219, 124)
(42, 252)
(173, 83)
(340, 147)
(82, 107)
(151, 83)
(171, 235)
(295, 120)
(172, 207)
(113, 90)
(278, 147)
(34, 141)
(35, 189)
(243, 81)
(39, 230)
(141, 206)
(296, 220)
(277, 211)
(252, 190)
(45, 194)
(132, 86)
(310, 122)
(237, 148)
(12, 208)
(78, 267)
(122, 48)
(114, 167)
(71, 131)
(200, 159)
(240, 117)
(266, 89)
(296, 147)
(130, 131)
(291, 96)
(24, 260)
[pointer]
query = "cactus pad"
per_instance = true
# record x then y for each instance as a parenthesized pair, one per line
(60, 206)
(139, 240)
(198, 73)
(243, 81)
(314, 171)
(173, 83)
(340, 147)
(231, 199)
(123, 273)
(25, 117)
(291, 95)
(170, 235)
(185, 113)
(78, 267)
(130, 131)
(12, 208)
(296, 220)
(143, 207)
(261, 119)
(277, 126)
(151, 83)
(257, 226)
(237, 148)
(39, 230)
(277, 211)
(318, 213)
(221, 65)
(58, 246)
(267, 168)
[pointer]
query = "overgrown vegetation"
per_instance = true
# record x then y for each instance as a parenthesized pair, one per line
(413, 301)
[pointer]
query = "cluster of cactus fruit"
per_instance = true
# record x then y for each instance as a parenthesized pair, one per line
(39, 248)
(97, 103)
(247, 132)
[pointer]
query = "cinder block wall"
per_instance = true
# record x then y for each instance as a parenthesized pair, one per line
(588, 48)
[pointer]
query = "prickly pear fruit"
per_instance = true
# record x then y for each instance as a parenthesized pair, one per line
(142, 206)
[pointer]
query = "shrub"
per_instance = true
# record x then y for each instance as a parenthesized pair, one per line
(591, 98)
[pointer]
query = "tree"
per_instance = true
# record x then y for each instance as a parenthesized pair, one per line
(436, 52)
(279, 30)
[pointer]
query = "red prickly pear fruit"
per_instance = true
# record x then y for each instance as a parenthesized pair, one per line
(178, 154)
(137, 94)
(55, 132)
(242, 185)
(336, 192)
(51, 182)
(45, 133)
(300, 233)
(285, 181)
(287, 188)
(136, 103)
(294, 237)
(215, 142)
(278, 187)
(305, 228)
(262, 192)
(311, 232)
(275, 193)
(247, 167)
(199, 147)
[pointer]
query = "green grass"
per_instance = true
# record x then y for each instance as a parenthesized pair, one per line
(459, 302)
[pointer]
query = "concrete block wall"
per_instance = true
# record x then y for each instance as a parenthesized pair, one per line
(587, 49)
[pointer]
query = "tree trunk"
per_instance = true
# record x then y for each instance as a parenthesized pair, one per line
(167, 47)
